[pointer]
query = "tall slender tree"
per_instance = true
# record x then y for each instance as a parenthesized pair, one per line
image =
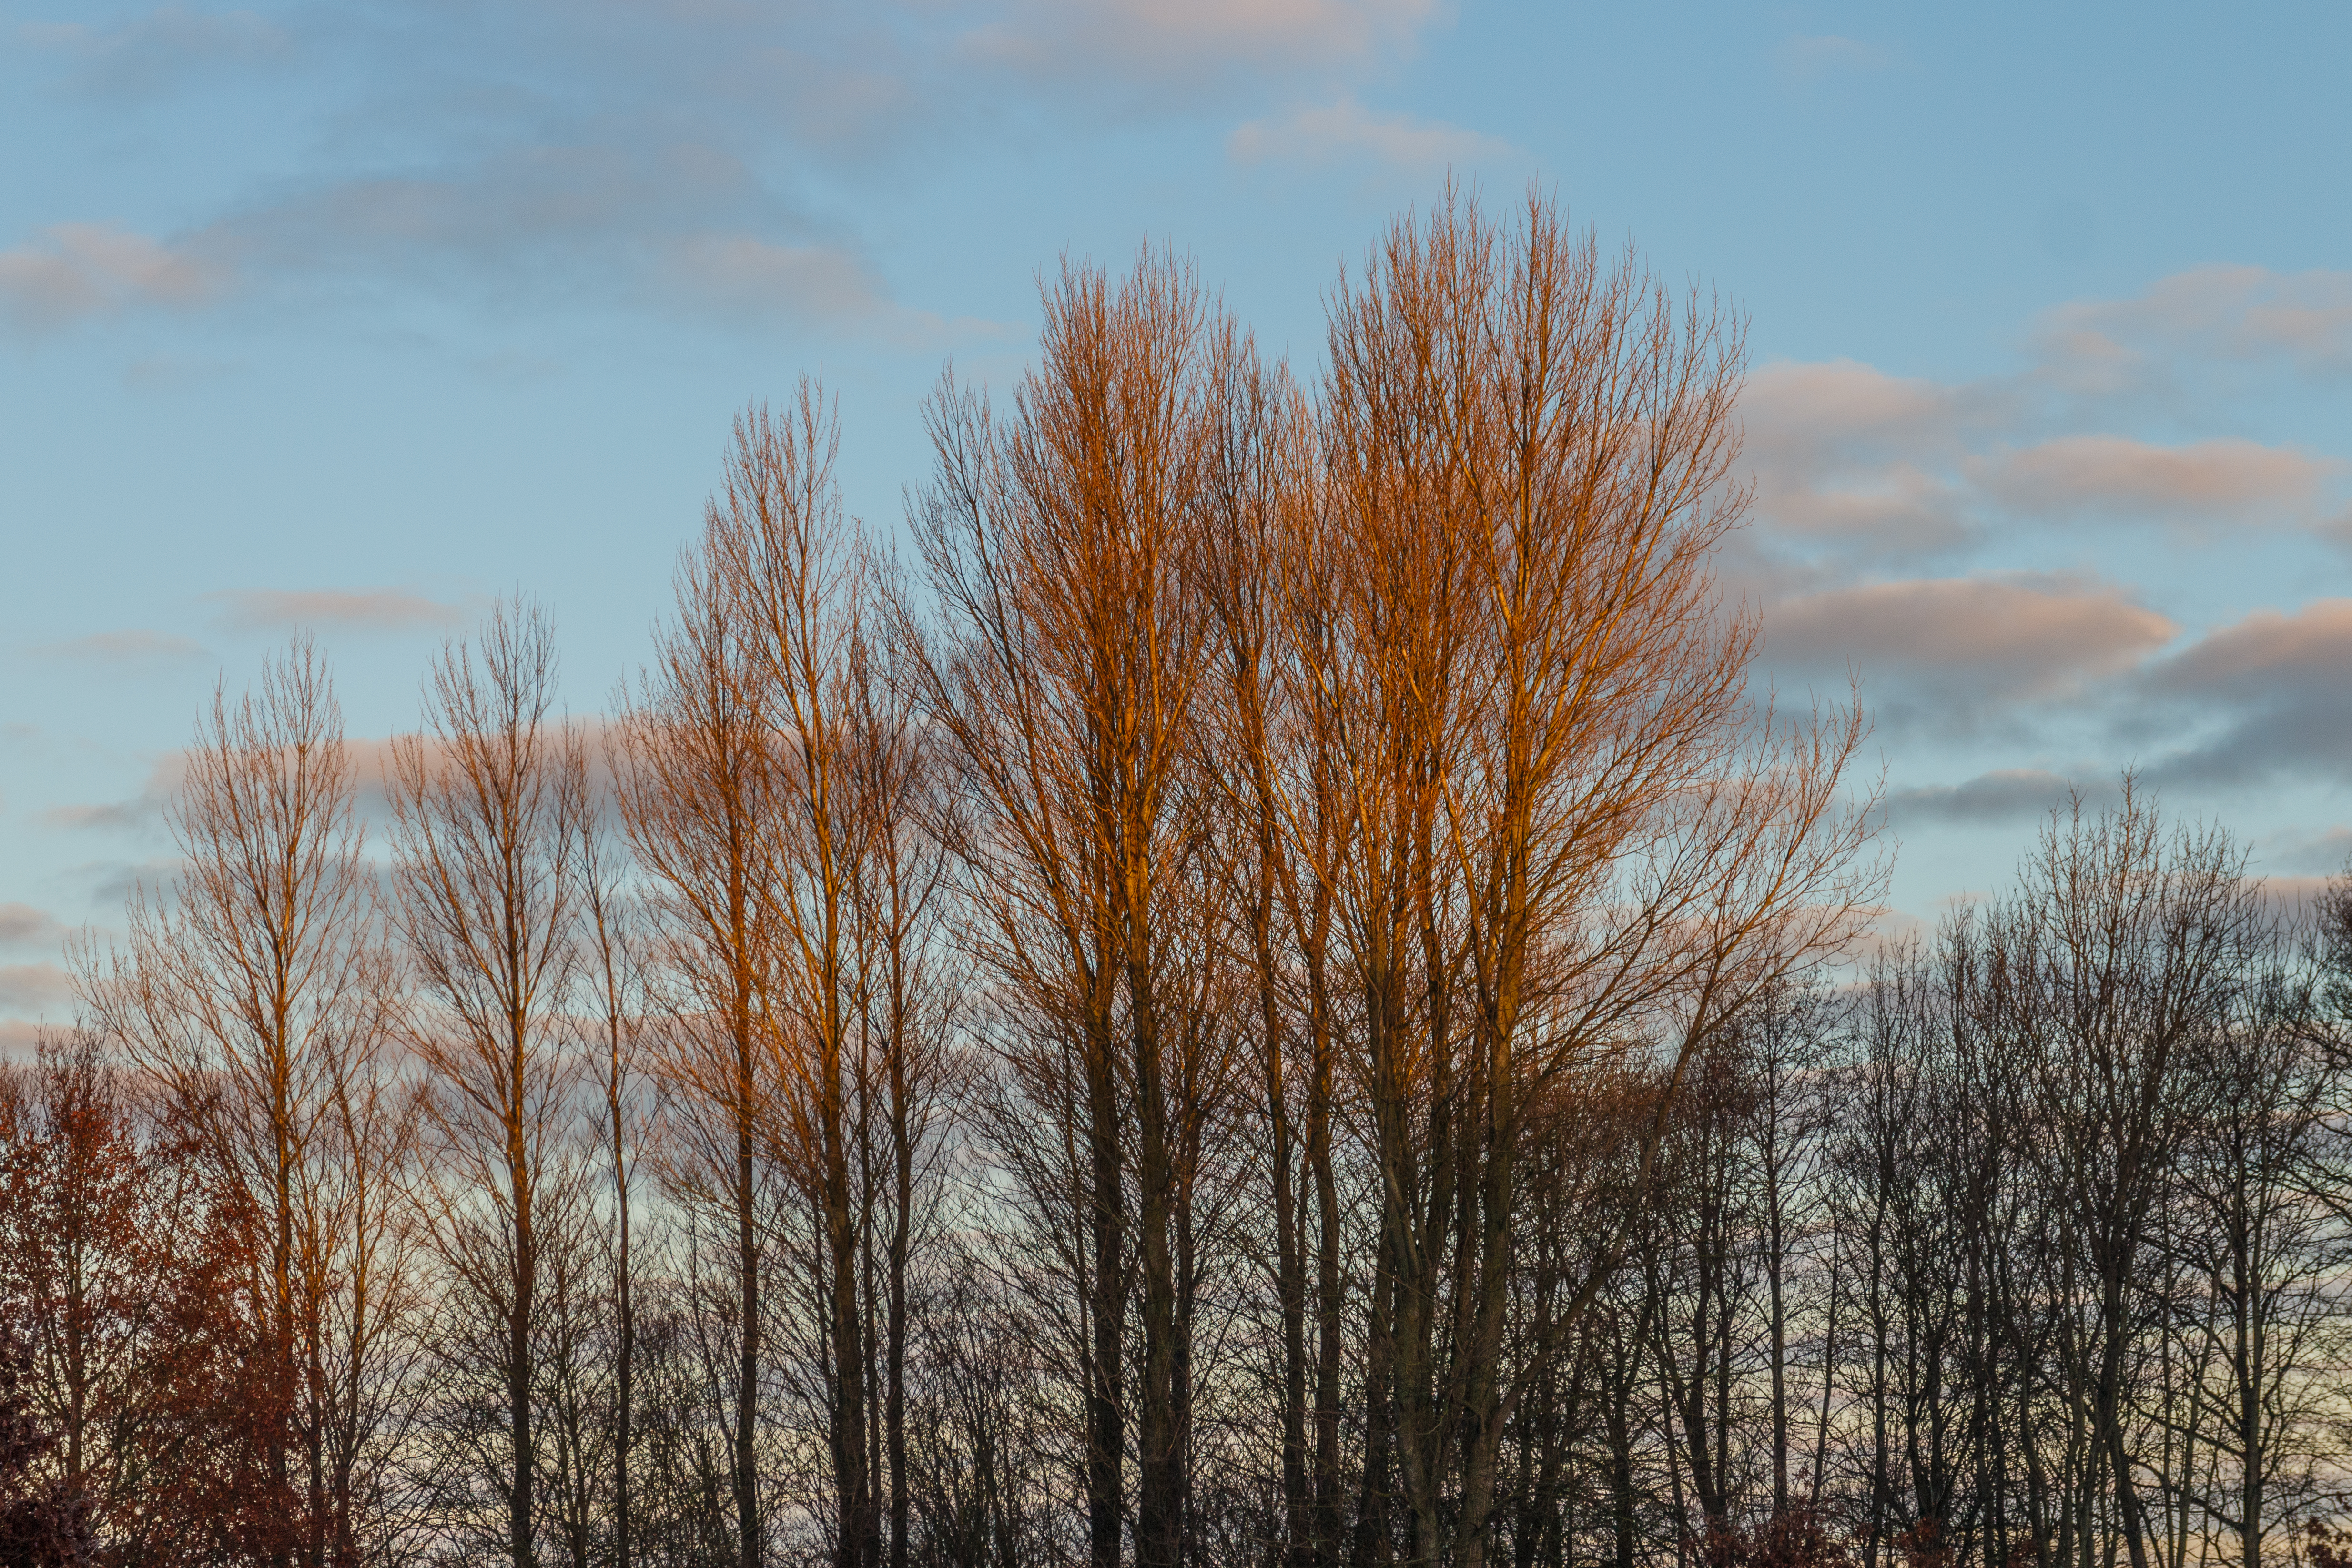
(255, 988)
(488, 803)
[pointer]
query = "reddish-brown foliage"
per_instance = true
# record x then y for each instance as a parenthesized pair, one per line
(138, 1362)
(1794, 1538)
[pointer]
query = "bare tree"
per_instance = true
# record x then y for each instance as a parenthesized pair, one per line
(2256, 1293)
(1565, 822)
(615, 973)
(1063, 549)
(255, 990)
(488, 804)
(698, 786)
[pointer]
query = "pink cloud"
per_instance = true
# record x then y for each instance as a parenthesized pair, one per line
(2220, 312)
(22, 925)
(35, 987)
(1792, 408)
(1977, 637)
(77, 270)
(1844, 451)
(2217, 478)
(1329, 133)
(2264, 697)
(1154, 39)
(2267, 649)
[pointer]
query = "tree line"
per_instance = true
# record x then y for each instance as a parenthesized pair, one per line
(1276, 997)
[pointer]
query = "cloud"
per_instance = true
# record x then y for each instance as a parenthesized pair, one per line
(663, 155)
(79, 271)
(742, 273)
(2114, 474)
(551, 209)
(1810, 58)
(2306, 854)
(1840, 406)
(1849, 459)
(111, 884)
(365, 609)
(35, 987)
(139, 811)
(1156, 41)
(2265, 653)
(149, 53)
(136, 812)
(1846, 452)
(2212, 312)
(681, 226)
(22, 925)
(126, 647)
(1963, 641)
(2268, 691)
(2002, 796)
(1345, 130)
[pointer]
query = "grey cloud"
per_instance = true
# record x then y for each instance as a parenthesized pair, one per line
(22, 925)
(368, 608)
(2270, 693)
(1962, 643)
(35, 987)
(2323, 854)
(19, 1039)
(111, 884)
(653, 155)
(682, 228)
(126, 647)
(1319, 135)
(2297, 735)
(121, 815)
(161, 49)
(142, 810)
(742, 274)
(2005, 795)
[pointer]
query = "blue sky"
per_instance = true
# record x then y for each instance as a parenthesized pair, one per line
(355, 316)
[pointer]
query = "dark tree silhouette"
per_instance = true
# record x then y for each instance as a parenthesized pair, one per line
(41, 1523)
